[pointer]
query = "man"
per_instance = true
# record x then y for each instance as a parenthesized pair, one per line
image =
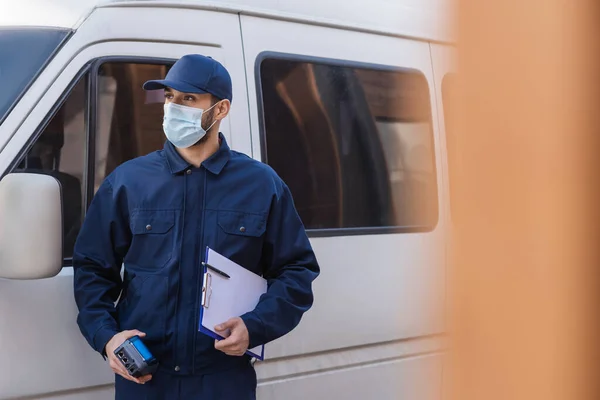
(156, 215)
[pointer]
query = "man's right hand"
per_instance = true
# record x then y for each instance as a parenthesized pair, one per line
(114, 362)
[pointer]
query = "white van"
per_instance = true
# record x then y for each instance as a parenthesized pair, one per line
(343, 99)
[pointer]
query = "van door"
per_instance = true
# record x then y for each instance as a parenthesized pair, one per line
(84, 115)
(347, 119)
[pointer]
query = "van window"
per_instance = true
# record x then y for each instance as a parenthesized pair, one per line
(60, 152)
(129, 118)
(23, 53)
(354, 143)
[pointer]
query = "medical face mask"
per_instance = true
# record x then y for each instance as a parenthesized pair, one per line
(183, 125)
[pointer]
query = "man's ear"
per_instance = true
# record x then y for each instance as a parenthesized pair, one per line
(222, 109)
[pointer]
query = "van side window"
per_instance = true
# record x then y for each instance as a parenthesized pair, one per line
(129, 120)
(60, 151)
(354, 143)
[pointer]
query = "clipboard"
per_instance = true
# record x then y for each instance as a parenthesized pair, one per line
(228, 290)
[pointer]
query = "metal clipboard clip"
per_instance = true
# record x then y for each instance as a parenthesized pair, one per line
(206, 290)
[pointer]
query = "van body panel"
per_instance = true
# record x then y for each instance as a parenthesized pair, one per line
(417, 19)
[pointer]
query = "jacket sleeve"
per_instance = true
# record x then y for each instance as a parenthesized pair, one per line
(101, 245)
(290, 266)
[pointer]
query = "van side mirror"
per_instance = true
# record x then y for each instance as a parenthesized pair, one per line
(30, 226)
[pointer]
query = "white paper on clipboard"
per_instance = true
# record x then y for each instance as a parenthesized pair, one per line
(225, 298)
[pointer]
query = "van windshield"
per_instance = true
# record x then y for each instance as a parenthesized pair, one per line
(24, 52)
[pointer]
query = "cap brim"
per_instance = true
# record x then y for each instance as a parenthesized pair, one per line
(179, 86)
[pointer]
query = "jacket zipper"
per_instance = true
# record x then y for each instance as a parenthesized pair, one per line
(199, 280)
(175, 343)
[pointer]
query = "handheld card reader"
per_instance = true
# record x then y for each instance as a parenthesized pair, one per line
(136, 357)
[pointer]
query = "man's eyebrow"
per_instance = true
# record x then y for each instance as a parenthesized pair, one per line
(168, 90)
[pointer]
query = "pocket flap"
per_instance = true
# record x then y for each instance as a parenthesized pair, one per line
(241, 223)
(143, 223)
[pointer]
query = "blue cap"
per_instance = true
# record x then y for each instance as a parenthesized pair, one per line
(195, 73)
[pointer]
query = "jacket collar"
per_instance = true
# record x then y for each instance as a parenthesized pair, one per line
(214, 163)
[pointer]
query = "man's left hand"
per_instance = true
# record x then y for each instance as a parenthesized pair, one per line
(237, 337)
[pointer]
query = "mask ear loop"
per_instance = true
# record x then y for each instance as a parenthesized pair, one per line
(214, 122)
(211, 125)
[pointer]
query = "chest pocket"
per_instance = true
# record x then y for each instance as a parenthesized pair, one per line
(241, 237)
(153, 240)
(241, 223)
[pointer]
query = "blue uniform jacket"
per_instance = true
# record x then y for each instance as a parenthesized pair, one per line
(156, 214)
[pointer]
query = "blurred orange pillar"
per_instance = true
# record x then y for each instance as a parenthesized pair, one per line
(525, 265)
